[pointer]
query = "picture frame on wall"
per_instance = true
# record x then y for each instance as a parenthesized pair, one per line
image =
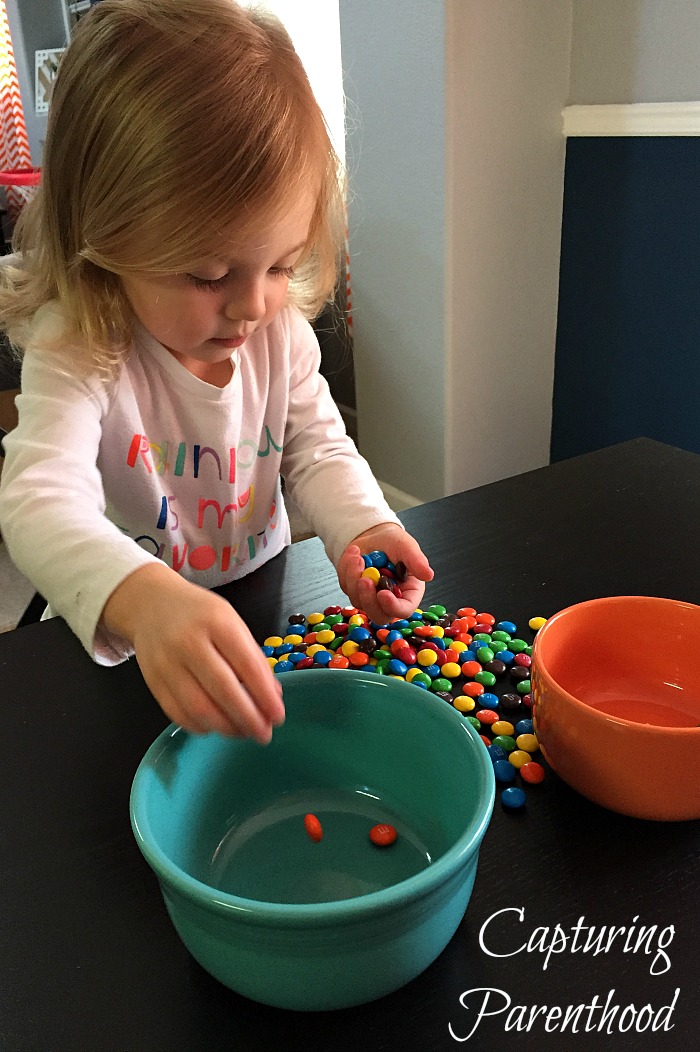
(45, 68)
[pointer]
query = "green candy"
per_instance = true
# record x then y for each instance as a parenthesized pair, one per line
(437, 609)
(487, 679)
(505, 741)
(475, 723)
(497, 645)
(503, 637)
(484, 655)
(482, 637)
(441, 683)
(423, 678)
(523, 687)
(517, 646)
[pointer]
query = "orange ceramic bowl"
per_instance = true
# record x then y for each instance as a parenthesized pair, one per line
(616, 703)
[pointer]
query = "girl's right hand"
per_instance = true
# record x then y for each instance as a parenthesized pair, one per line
(196, 654)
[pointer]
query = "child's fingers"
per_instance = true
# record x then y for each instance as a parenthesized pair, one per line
(248, 695)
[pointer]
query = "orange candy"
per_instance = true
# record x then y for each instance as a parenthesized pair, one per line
(473, 690)
(382, 835)
(471, 668)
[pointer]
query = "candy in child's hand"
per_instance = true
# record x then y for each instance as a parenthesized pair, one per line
(384, 574)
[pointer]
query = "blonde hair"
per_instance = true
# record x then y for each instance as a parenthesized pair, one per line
(170, 121)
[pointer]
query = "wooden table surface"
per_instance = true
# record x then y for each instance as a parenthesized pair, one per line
(88, 957)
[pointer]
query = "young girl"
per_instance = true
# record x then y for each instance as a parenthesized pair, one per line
(189, 221)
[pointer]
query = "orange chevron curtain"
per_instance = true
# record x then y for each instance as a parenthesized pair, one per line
(14, 144)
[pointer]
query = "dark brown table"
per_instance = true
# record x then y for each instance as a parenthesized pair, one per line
(88, 957)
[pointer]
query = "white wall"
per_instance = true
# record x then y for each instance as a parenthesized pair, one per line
(394, 65)
(630, 51)
(457, 165)
(508, 75)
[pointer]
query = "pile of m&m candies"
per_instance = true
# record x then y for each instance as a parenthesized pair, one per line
(477, 664)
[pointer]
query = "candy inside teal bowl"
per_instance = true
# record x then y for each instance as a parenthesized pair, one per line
(312, 925)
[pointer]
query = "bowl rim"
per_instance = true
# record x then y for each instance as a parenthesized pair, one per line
(317, 914)
(599, 714)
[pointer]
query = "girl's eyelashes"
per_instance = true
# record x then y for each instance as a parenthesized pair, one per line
(213, 284)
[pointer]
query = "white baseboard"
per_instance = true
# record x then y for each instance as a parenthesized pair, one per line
(397, 499)
(639, 118)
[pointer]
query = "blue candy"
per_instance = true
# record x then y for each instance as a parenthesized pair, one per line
(513, 798)
(359, 634)
(504, 771)
(489, 701)
(524, 727)
(497, 753)
(283, 666)
(507, 626)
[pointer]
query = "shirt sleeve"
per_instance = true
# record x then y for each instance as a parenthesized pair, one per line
(52, 502)
(328, 479)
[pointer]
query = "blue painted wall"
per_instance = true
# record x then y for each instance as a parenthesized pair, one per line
(628, 332)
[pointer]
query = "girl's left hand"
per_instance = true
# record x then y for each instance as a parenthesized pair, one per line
(384, 606)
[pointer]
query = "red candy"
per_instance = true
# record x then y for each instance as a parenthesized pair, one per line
(313, 828)
(532, 772)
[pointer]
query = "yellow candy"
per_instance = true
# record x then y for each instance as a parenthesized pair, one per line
(272, 661)
(528, 742)
(356, 620)
(412, 672)
(325, 636)
(458, 645)
(536, 623)
(500, 726)
(373, 573)
(273, 641)
(451, 670)
(314, 649)
(315, 619)
(294, 639)
(348, 648)
(425, 657)
(437, 630)
(519, 758)
(464, 704)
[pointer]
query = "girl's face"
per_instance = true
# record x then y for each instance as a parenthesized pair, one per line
(201, 316)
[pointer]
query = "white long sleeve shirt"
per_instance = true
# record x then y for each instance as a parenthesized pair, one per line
(103, 477)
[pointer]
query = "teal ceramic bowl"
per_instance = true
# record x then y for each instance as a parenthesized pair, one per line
(309, 925)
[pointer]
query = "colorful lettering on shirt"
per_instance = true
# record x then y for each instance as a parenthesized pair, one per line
(155, 455)
(247, 498)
